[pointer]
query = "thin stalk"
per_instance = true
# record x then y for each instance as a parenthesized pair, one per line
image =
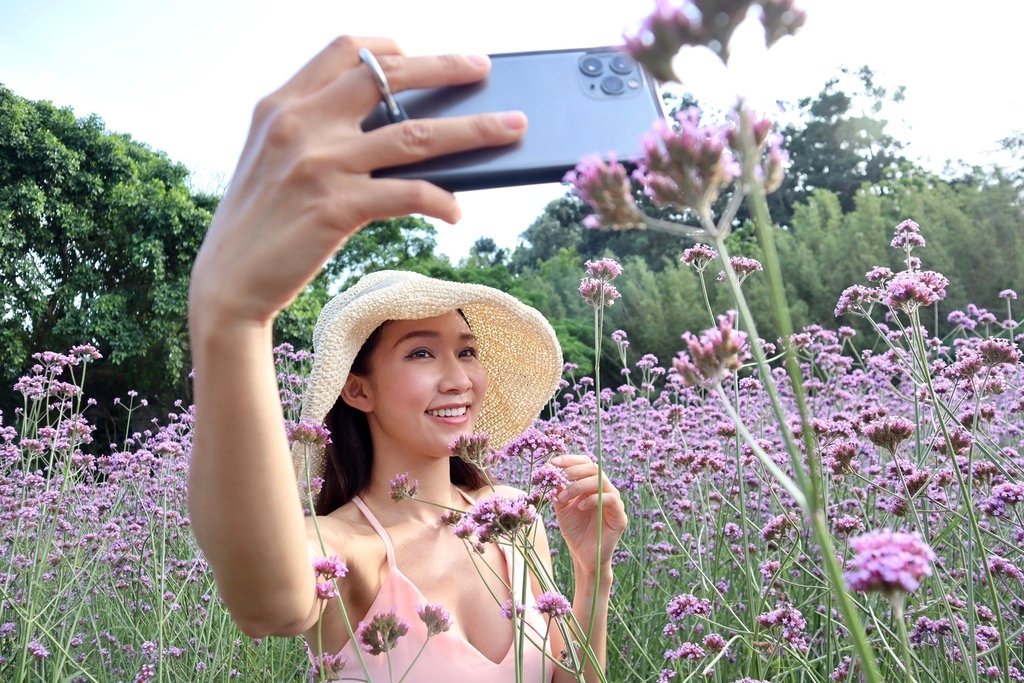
(780, 309)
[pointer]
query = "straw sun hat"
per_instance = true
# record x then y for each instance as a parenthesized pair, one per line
(516, 345)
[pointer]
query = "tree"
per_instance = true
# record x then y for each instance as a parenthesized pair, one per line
(840, 144)
(402, 243)
(97, 238)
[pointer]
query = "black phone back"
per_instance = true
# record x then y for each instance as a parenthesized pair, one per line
(578, 103)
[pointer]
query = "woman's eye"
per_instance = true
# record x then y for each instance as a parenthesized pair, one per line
(470, 352)
(419, 353)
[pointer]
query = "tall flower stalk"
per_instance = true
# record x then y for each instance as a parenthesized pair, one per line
(686, 167)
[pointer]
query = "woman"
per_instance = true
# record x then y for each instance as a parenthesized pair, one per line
(301, 188)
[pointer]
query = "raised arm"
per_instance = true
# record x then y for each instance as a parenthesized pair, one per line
(301, 188)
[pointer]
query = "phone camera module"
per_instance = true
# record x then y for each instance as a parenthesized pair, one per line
(612, 85)
(621, 64)
(591, 66)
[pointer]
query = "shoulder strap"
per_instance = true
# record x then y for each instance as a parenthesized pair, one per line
(469, 499)
(378, 528)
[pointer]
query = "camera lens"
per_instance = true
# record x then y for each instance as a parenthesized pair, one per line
(612, 85)
(591, 66)
(621, 64)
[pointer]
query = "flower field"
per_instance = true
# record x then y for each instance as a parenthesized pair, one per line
(718, 578)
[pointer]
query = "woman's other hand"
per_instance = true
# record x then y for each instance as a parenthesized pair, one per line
(302, 185)
(576, 510)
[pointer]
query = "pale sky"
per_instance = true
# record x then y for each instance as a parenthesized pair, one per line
(183, 76)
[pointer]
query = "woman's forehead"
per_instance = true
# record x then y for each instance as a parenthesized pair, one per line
(451, 322)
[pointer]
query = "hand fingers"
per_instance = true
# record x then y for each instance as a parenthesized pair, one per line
(386, 197)
(341, 55)
(354, 91)
(610, 503)
(411, 141)
(587, 486)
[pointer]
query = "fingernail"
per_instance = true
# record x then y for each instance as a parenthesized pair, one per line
(513, 120)
(478, 60)
(555, 461)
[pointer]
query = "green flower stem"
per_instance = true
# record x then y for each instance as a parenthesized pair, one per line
(784, 479)
(596, 596)
(819, 524)
(707, 301)
(323, 549)
(972, 518)
(901, 627)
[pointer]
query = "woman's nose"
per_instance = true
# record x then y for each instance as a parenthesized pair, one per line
(454, 377)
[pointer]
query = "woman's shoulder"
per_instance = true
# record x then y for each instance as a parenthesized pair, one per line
(348, 533)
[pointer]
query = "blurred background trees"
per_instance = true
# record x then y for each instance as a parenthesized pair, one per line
(98, 233)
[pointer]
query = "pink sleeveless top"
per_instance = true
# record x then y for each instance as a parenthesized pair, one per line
(448, 656)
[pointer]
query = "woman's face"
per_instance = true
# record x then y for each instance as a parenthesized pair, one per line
(425, 384)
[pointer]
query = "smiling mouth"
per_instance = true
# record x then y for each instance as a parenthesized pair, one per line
(448, 412)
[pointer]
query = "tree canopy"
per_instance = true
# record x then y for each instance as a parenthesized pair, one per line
(97, 238)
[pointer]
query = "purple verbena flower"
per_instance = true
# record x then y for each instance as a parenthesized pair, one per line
(435, 617)
(687, 604)
(889, 432)
(330, 567)
(598, 293)
(907, 236)
(309, 433)
(910, 289)
(474, 449)
(554, 605)
(605, 187)
(889, 562)
(402, 488)
(381, 633)
(710, 358)
(605, 269)
(689, 167)
(699, 256)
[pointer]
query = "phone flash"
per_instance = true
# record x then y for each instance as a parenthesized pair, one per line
(633, 84)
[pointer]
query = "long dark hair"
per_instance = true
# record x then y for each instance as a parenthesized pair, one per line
(349, 455)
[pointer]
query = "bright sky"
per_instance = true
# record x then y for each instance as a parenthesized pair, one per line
(183, 76)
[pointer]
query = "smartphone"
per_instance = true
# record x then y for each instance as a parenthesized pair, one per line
(578, 102)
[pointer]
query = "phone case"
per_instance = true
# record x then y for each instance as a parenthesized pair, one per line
(578, 102)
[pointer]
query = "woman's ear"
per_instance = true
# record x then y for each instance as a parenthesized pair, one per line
(355, 393)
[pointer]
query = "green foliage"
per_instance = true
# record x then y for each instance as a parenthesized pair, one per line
(839, 144)
(97, 238)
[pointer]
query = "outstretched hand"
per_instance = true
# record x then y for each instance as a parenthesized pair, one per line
(576, 510)
(303, 186)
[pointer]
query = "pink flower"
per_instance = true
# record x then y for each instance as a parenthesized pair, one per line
(911, 289)
(553, 604)
(889, 432)
(605, 269)
(473, 448)
(888, 561)
(689, 167)
(330, 567)
(382, 632)
(598, 293)
(605, 187)
(435, 617)
(907, 236)
(719, 351)
(402, 488)
(687, 604)
(856, 299)
(309, 433)
(699, 256)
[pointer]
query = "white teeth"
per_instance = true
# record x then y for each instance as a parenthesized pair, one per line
(448, 412)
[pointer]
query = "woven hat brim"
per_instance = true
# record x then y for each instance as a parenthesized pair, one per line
(516, 343)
